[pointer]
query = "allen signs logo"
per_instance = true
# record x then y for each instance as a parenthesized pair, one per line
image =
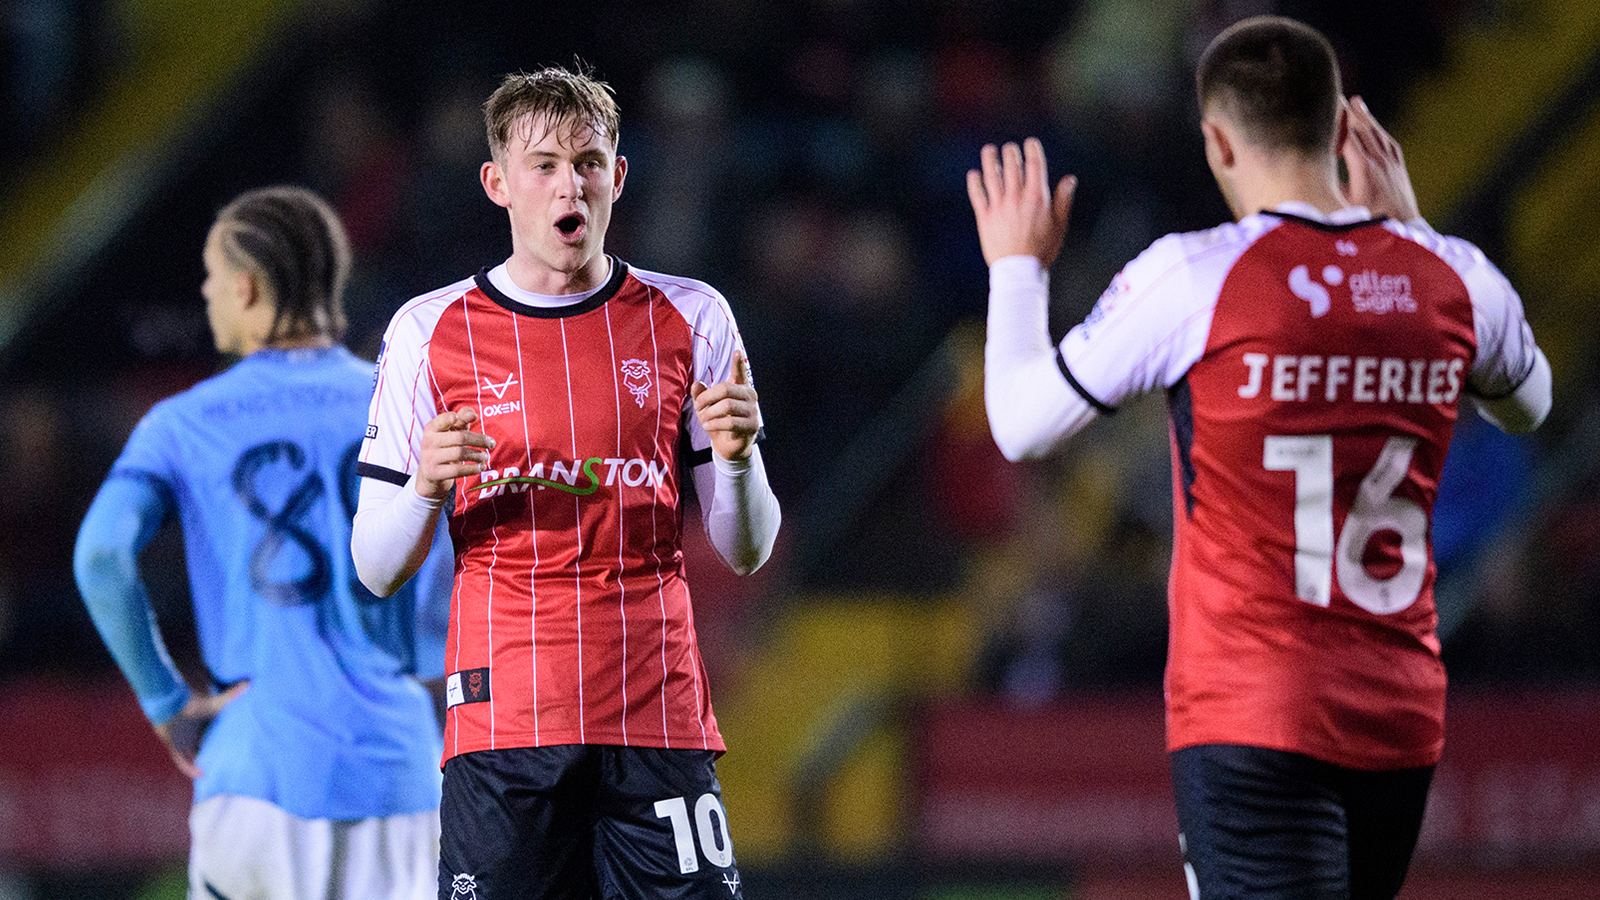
(1370, 292)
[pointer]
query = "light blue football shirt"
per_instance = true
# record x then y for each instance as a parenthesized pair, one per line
(259, 463)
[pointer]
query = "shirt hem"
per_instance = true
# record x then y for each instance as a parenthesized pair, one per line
(1363, 762)
(711, 741)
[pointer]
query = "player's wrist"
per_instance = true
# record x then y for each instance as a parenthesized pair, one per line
(737, 464)
(162, 710)
(1017, 266)
(427, 492)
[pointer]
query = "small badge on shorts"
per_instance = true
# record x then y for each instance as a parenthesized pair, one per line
(464, 887)
(471, 686)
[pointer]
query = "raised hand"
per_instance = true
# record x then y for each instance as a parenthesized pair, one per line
(182, 733)
(729, 411)
(451, 450)
(1017, 214)
(1378, 177)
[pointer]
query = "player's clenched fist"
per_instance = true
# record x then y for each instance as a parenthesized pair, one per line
(451, 450)
(729, 412)
(1017, 214)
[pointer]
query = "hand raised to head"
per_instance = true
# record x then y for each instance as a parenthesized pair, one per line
(1378, 177)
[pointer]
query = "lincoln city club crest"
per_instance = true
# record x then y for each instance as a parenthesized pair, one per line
(636, 377)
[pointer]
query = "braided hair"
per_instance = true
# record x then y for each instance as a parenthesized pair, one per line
(293, 240)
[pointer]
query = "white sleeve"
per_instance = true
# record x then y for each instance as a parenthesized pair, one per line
(1031, 407)
(1510, 377)
(392, 533)
(1522, 410)
(1145, 331)
(737, 506)
(738, 509)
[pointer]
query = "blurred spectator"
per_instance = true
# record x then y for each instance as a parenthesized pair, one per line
(40, 628)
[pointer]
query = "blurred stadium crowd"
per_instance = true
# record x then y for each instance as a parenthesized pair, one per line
(807, 159)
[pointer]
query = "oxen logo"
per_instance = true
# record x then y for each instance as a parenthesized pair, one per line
(500, 389)
(475, 683)
(636, 378)
(464, 887)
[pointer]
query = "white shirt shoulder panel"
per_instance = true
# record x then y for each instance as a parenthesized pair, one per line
(1506, 351)
(716, 335)
(402, 398)
(1152, 322)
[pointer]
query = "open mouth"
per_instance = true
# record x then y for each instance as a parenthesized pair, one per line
(570, 226)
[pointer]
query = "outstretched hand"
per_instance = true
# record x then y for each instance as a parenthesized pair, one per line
(1017, 213)
(451, 450)
(729, 411)
(1378, 177)
(182, 733)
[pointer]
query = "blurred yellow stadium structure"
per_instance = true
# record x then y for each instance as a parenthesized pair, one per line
(61, 206)
(1460, 124)
(818, 726)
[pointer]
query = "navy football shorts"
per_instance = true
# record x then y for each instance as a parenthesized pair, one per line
(579, 822)
(1265, 824)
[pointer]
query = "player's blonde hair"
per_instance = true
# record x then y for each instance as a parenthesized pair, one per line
(561, 95)
(294, 242)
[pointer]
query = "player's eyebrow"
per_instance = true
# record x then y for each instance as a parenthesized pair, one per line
(583, 156)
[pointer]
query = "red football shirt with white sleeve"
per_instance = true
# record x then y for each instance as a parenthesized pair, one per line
(1314, 368)
(570, 619)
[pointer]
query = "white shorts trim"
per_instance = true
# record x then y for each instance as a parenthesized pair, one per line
(242, 848)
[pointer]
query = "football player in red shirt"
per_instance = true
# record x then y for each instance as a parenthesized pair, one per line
(550, 404)
(1313, 353)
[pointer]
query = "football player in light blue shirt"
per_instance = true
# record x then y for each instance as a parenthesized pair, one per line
(316, 755)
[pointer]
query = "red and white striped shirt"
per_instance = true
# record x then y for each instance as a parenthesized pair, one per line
(1314, 370)
(571, 620)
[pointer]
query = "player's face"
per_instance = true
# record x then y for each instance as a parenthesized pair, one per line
(224, 290)
(558, 181)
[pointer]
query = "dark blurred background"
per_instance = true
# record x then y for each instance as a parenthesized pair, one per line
(935, 618)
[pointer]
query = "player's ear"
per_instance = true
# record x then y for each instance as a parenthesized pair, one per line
(247, 285)
(1219, 145)
(621, 172)
(494, 183)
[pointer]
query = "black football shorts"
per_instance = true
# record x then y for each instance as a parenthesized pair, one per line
(584, 822)
(1270, 825)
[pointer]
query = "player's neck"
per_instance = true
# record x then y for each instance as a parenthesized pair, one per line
(1314, 182)
(302, 342)
(537, 277)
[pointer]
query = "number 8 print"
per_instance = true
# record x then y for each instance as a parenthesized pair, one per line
(713, 831)
(1316, 555)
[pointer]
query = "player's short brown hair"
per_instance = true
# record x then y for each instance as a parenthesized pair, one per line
(561, 94)
(293, 240)
(1277, 79)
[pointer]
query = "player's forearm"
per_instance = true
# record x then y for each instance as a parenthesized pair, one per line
(123, 518)
(391, 534)
(741, 512)
(1031, 408)
(1524, 408)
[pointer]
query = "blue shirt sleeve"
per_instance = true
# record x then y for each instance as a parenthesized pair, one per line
(125, 515)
